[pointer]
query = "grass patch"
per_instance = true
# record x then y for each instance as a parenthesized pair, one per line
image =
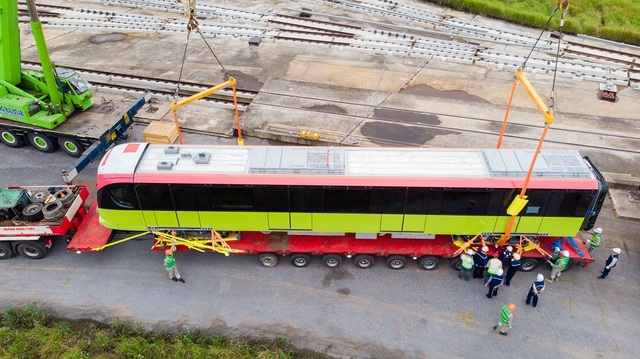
(616, 20)
(31, 332)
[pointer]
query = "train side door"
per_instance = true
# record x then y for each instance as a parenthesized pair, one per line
(278, 214)
(157, 205)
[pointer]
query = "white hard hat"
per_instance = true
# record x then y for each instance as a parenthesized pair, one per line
(598, 230)
(470, 252)
(485, 249)
(500, 271)
(565, 253)
(509, 248)
(540, 277)
(617, 250)
(516, 256)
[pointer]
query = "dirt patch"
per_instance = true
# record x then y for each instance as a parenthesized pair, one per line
(335, 274)
(112, 37)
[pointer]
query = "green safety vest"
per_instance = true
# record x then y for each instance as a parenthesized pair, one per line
(595, 240)
(169, 261)
(467, 261)
(505, 314)
(562, 262)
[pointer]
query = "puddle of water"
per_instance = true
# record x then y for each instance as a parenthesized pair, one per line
(102, 38)
(406, 116)
(328, 109)
(383, 132)
(425, 90)
(246, 82)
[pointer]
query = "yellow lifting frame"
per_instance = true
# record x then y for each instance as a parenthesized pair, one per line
(216, 243)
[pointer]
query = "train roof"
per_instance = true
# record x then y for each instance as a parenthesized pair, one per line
(336, 165)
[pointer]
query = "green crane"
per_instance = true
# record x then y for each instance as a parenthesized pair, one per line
(40, 98)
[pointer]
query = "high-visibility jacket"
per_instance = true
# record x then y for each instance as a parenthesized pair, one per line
(493, 266)
(169, 262)
(561, 263)
(506, 315)
(467, 261)
(596, 240)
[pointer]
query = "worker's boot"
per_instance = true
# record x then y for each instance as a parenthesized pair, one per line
(503, 333)
(181, 280)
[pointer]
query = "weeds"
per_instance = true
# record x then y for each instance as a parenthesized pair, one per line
(31, 332)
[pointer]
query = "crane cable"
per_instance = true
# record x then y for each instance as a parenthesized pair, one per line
(563, 5)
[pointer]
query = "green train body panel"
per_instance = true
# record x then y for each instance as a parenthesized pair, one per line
(391, 223)
(337, 222)
(443, 224)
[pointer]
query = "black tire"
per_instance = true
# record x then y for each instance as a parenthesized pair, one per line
(5, 251)
(31, 250)
(65, 196)
(71, 146)
(456, 263)
(33, 212)
(10, 138)
(428, 262)
(268, 260)
(300, 260)
(41, 142)
(396, 261)
(332, 260)
(529, 264)
(364, 260)
(53, 211)
(39, 197)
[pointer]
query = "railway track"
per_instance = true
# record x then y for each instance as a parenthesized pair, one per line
(426, 34)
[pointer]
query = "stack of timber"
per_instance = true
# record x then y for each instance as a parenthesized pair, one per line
(160, 132)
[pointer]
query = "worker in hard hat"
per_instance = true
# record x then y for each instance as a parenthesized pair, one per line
(466, 264)
(171, 267)
(515, 265)
(611, 262)
(494, 283)
(505, 256)
(559, 265)
(596, 239)
(480, 262)
(506, 318)
(536, 288)
(493, 265)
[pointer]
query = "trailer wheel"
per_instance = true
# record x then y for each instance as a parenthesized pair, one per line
(456, 263)
(428, 262)
(396, 261)
(332, 260)
(32, 250)
(70, 146)
(65, 196)
(10, 138)
(268, 260)
(5, 251)
(528, 264)
(364, 260)
(300, 260)
(39, 197)
(53, 211)
(41, 142)
(32, 212)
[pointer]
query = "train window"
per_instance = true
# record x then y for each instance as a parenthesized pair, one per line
(537, 203)
(260, 199)
(416, 201)
(465, 202)
(569, 203)
(494, 208)
(230, 198)
(388, 200)
(434, 201)
(156, 197)
(278, 199)
(118, 196)
(347, 200)
(305, 199)
(184, 196)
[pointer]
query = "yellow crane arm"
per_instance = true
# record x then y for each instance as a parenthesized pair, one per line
(176, 105)
(546, 112)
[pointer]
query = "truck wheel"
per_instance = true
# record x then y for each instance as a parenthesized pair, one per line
(456, 263)
(300, 260)
(39, 197)
(268, 260)
(65, 196)
(10, 138)
(41, 142)
(31, 250)
(332, 260)
(428, 262)
(53, 211)
(528, 264)
(5, 251)
(70, 146)
(33, 212)
(364, 260)
(396, 261)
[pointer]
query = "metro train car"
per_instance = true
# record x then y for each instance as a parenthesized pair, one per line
(367, 192)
